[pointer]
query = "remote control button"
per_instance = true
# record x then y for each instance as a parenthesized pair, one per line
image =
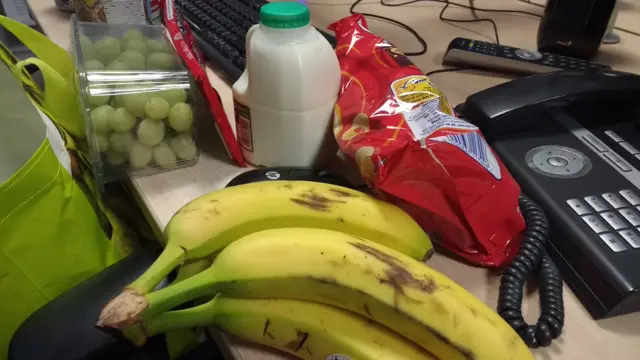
(596, 203)
(579, 207)
(631, 216)
(613, 136)
(614, 200)
(631, 237)
(613, 242)
(528, 55)
(621, 163)
(613, 220)
(595, 223)
(558, 161)
(632, 150)
(630, 196)
(509, 55)
(595, 142)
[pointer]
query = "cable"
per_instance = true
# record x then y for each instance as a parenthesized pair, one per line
(453, 69)
(422, 42)
(493, 23)
(532, 258)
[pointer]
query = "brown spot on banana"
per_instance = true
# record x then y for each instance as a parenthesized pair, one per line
(315, 201)
(297, 343)
(341, 193)
(265, 331)
(367, 310)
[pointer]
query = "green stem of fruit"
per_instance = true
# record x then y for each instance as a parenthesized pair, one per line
(201, 284)
(202, 315)
(169, 259)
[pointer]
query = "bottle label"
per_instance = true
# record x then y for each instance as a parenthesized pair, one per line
(243, 125)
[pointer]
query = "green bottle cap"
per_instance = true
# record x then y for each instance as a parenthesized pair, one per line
(284, 15)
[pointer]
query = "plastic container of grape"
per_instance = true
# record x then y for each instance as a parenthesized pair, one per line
(140, 104)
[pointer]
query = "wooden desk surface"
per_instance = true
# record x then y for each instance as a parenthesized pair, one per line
(162, 195)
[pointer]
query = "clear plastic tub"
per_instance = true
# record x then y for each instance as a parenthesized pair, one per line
(138, 100)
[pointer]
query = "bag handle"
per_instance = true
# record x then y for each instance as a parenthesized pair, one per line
(59, 100)
(42, 47)
(59, 96)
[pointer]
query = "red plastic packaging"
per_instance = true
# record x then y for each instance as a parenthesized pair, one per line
(185, 44)
(410, 148)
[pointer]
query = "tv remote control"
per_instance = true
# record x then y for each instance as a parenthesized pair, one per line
(488, 55)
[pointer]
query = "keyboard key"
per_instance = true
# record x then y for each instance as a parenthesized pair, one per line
(614, 242)
(595, 223)
(614, 200)
(613, 220)
(579, 207)
(631, 237)
(630, 196)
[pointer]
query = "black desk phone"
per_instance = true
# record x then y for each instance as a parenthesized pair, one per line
(572, 141)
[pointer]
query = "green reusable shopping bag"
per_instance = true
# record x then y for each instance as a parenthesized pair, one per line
(51, 231)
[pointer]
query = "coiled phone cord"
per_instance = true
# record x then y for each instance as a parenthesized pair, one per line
(532, 258)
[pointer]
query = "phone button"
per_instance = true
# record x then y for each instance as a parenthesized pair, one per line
(630, 148)
(631, 216)
(631, 237)
(615, 137)
(596, 143)
(595, 223)
(614, 200)
(596, 203)
(618, 161)
(630, 196)
(579, 207)
(614, 242)
(613, 220)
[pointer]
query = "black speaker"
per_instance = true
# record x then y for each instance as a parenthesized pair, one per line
(574, 27)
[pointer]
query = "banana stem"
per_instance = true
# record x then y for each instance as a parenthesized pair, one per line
(202, 315)
(201, 284)
(169, 259)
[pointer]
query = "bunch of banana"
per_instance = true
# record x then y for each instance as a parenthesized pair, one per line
(306, 329)
(211, 222)
(342, 270)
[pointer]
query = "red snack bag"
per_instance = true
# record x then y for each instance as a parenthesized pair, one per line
(186, 47)
(401, 132)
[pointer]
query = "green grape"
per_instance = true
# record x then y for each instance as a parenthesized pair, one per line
(87, 48)
(93, 65)
(134, 103)
(97, 100)
(133, 59)
(107, 49)
(151, 132)
(173, 96)
(120, 120)
(117, 65)
(139, 156)
(115, 157)
(100, 118)
(183, 146)
(160, 61)
(137, 45)
(156, 108)
(164, 156)
(102, 143)
(132, 34)
(180, 117)
(121, 141)
(159, 45)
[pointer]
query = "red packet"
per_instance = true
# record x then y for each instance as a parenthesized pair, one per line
(186, 46)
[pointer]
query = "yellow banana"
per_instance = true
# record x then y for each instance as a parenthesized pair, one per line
(306, 329)
(209, 223)
(345, 271)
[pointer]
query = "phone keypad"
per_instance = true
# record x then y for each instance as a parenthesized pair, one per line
(614, 216)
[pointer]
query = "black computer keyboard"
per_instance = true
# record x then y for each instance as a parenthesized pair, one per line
(220, 27)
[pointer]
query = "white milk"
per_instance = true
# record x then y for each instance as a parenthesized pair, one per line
(284, 99)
